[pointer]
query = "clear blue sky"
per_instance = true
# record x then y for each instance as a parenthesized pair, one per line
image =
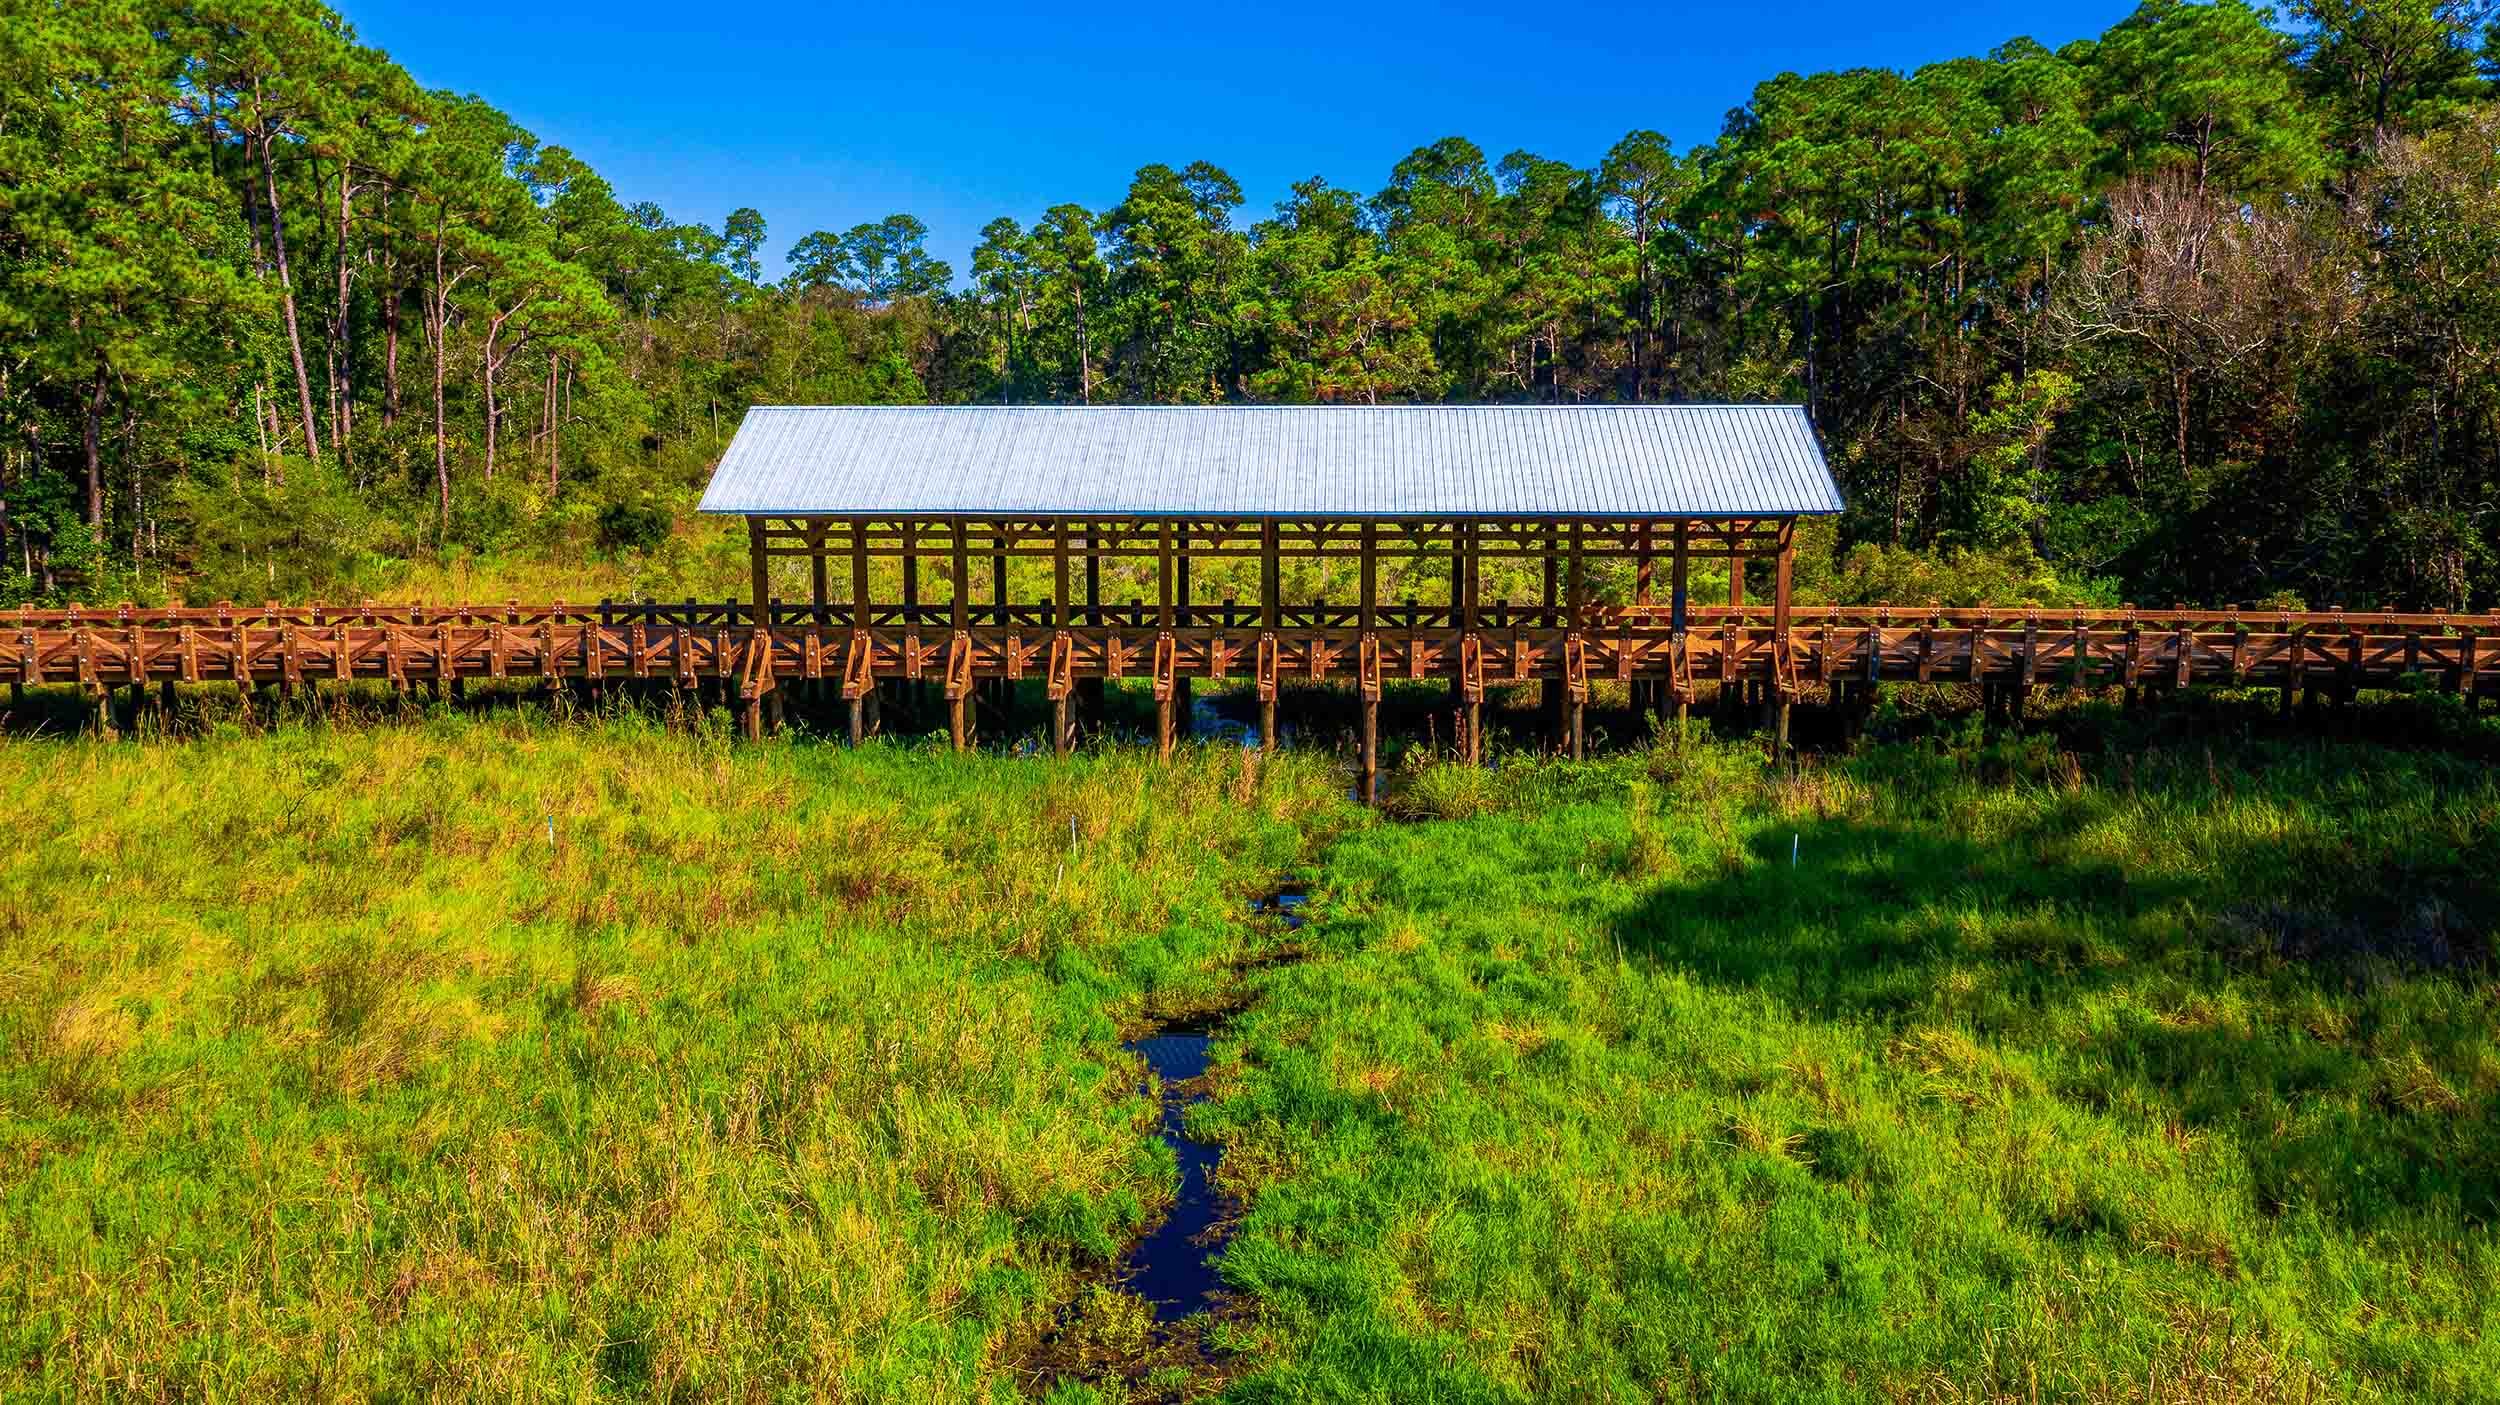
(823, 118)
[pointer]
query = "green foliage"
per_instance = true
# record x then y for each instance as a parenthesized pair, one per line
(2199, 309)
(633, 526)
(2008, 485)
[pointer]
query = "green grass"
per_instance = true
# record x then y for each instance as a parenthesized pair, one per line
(780, 1072)
(2172, 1078)
(783, 1071)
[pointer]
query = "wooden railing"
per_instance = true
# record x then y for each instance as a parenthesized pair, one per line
(689, 641)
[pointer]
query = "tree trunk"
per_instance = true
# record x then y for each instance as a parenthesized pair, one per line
(343, 330)
(91, 445)
(1084, 354)
(486, 375)
(2179, 391)
(286, 299)
(440, 315)
(552, 423)
(390, 294)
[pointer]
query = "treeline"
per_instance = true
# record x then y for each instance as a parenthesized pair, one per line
(2205, 309)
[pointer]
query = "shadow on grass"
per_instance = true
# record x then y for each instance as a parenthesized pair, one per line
(2305, 1022)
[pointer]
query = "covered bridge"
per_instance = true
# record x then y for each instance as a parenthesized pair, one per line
(924, 531)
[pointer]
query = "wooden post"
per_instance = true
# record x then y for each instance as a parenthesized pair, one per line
(1183, 688)
(998, 578)
(1679, 575)
(1782, 577)
(1575, 706)
(1553, 554)
(959, 614)
(1643, 571)
(860, 706)
(1163, 575)
(1271, 615)
(1164, 688)
(763, 621)
(819, 593)
(1271, 575)
(911, 573)
(1367, 610)
(1090, 691)
(1368, 775)
(1093, 576)
(1367, 622)
(762, 577)
(1062, 617)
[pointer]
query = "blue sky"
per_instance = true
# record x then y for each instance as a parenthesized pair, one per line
(824, 117)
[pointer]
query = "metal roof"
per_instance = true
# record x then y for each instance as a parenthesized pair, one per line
(1276, 461)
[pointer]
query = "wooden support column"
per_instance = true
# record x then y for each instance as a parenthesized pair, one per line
(1645, 567)
(1471, 620)
(911, 573)
(959, 691)
(859, 622)
(1271, 616)
(1367, 608)
(1093, 577)
(998, 577)
(763, 618)
(1781, 656)
(1062, 734)
(1575, 703)
(1549, 692)
(1183, 687)
(859, 573)
(761, 578)
(1090, 691)
(818, 591)
(1553, 557)
(1165, 688)
(1060, 614)
(1366, 653)
(1679, 577)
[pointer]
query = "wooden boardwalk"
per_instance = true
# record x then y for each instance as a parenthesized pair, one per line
(720, 642)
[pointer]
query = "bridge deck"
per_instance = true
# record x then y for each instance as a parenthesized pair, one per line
(693, 641)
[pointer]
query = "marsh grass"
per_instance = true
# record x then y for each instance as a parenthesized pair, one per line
(488, 1056)
(485, 1054)
(2164, 1076)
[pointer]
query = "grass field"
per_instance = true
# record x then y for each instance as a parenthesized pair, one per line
(494, 1056)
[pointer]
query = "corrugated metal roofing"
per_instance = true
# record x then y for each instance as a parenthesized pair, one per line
(1276, 461)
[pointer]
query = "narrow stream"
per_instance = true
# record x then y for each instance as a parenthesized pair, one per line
(1170, 1267)
(1174, 1266)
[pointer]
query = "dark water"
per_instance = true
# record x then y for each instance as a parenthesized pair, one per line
(1171, 1267)
(1286, 904)
(1210, 719)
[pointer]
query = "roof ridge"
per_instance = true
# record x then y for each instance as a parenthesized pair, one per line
(1190, 409)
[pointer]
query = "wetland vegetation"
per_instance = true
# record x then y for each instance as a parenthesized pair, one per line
(488, 1053)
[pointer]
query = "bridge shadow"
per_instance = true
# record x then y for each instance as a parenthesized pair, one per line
(2308, 1038)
